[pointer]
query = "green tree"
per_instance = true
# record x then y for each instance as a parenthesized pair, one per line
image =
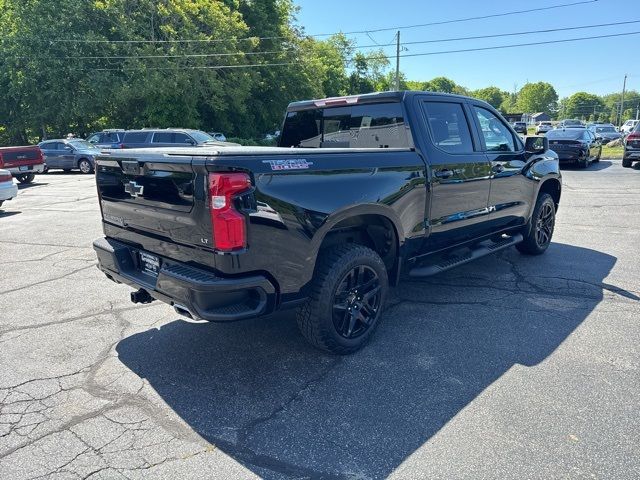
(368, 72)
(537, 97)
(492, 95)
(444, 85)
(582, 104)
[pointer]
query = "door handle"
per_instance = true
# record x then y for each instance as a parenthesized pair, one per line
(497, 168)
(444, 173)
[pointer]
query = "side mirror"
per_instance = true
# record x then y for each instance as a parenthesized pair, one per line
(536, 145)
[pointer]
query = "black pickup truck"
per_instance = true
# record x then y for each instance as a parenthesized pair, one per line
(361, 191)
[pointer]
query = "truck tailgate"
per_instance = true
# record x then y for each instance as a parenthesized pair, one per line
(157, 193)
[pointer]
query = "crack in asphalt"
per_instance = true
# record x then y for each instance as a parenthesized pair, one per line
(14, 242)
(73, 272)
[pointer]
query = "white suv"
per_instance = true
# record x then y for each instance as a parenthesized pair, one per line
(628, 126)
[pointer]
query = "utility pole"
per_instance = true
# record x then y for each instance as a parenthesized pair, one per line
(397, 61)
(624, 88)
(638, 112)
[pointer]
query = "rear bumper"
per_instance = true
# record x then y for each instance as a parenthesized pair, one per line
(37, 168)
(202, 294)
(632, 153)
(8, 191)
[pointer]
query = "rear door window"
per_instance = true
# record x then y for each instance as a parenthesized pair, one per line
(162, 137)
(448, 126)
(136, 137)
(378, 125)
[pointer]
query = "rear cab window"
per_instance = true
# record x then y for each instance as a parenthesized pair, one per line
(374, 125)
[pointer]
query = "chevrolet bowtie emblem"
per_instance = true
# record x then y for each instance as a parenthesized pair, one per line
(133, 189)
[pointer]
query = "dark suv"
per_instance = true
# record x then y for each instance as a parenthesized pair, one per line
(111, 138)
(632, 147)
(169, 137)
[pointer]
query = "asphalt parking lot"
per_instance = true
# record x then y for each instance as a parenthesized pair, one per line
(509, 367)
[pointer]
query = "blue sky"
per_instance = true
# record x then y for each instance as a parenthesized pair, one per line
(596, 66)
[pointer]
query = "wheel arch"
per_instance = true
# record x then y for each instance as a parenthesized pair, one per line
(375, 226)
(553, 187)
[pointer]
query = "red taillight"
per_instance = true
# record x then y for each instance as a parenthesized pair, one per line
(1, 161)
(229, 225)
(6, 177)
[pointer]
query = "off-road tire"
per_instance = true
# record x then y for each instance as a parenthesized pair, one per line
(626, 162)
(316, 316)
(531, 244)
(26, 177)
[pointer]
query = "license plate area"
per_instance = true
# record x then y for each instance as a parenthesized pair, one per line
(23, 168)
(149, 264)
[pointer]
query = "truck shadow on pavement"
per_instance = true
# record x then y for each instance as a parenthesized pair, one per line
(258, 392)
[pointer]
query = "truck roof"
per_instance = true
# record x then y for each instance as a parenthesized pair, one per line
(375, 97)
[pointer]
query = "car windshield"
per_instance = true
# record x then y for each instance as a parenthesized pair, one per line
(82, 145)
(568, 134)
(605, 129)
(201, 137)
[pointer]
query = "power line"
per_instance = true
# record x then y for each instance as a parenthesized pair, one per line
(193, 67)
(467, 19)
(381, 57)
(227, 54)
(497, 35)
(355, 32)
(513, 45)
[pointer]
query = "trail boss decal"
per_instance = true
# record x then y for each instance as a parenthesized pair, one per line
(293, 164)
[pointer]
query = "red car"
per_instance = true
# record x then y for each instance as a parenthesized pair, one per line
(22, 162)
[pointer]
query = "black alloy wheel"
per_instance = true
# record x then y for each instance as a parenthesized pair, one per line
(357, 302)
(545, 224)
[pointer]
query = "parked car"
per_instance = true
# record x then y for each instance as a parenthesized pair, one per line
(605, 132)
(22, 162)
(168, 137)
(543, 127)
(272, 136)
(220, 137)
(632, 147)
(111, 138)
(69, 155)
(520, 127)
(8, 189)
(570, 123)
(628, 126)
(575, 145)
(326, 229)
